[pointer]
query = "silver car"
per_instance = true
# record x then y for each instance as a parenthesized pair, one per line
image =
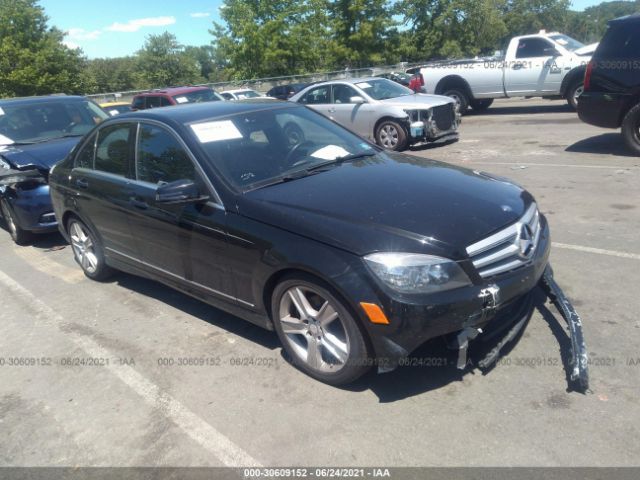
(384, 111)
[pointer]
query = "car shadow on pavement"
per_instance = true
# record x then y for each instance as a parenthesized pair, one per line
(604, 144)
(49, 242)
(198, 309)
(522, 110)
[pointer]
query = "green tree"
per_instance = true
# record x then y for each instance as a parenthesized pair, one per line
(271, 38)
(33, 59)
(530, 16)
(114, 74)
(360, 32)
(589, 26)
(162, 61)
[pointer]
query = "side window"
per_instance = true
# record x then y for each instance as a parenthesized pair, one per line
(138, 103)
(112, 152)
(165, 102)
(532, 47)
(161, 158)
(84, 158)
(343, 93)
(153, 102)
(316, 96)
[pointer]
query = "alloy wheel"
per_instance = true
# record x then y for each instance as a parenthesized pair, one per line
(314, 330)
(83, 247)
(389, 136)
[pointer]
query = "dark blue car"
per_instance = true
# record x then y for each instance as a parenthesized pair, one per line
(35, 134)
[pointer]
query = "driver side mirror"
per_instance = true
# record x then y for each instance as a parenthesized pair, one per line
(180, 191)
(357, 100)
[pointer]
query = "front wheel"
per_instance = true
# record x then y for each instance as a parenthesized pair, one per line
(317, 331)
(391, 136)
(573, 93)
(87, 251)
(631, 129)
(18, 235)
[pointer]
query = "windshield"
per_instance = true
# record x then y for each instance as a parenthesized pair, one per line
(567, 42)
(198, 96)
(42, 121)
(382, 89)
(253, 149)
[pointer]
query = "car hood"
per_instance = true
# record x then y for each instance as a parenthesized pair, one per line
(391, 202)
(418, 100)
(587, 49)
(39, 155)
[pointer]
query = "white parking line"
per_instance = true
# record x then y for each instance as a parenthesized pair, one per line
(528, 164)
(599, 251)
(230, 454)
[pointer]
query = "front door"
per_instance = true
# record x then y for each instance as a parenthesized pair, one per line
(354, 116)
(535, 70)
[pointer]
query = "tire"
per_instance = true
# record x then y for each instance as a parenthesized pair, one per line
(481, 105)
(18, 235)
(317, 331)
(390, 135)
(88, 251)
(460, 96)
(573, 93)
(631, 129)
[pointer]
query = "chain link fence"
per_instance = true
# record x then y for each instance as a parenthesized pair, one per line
(262, 85)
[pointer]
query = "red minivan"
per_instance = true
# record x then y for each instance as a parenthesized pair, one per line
(174, 96)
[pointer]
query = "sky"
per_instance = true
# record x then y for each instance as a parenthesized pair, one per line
(115, 28)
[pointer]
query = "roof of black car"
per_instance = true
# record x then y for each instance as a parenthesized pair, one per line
(38, 99)
(206, 110)
(629, 18)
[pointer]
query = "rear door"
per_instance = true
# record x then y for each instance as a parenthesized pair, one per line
(318, 98)
(102, 179)
(185, 242)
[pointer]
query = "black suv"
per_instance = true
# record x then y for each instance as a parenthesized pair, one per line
(611, 95)
(285, 92)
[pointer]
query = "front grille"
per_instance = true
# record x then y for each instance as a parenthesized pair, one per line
(510, 248)
(444, 116)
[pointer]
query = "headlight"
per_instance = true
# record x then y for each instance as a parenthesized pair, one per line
(417, 273)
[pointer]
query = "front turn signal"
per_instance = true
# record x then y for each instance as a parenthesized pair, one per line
(375, 313)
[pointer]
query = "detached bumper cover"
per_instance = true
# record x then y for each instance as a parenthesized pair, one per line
(579, 360)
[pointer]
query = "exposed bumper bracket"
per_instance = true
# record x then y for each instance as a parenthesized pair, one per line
(462, 340)
(579, 360)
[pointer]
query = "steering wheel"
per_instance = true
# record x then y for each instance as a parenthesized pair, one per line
(296, 148)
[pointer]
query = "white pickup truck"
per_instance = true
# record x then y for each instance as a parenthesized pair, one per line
(549, 65)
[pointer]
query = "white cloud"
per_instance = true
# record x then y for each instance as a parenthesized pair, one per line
(199, 14)
(135, 25)
(71, 45)
(82, 34)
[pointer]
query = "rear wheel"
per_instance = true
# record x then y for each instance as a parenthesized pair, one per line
(481, 105)
(87, 251)
(18, 235)
(317, 331)
(391, 136)
(461, 98)
(631, 129)
(573, 93)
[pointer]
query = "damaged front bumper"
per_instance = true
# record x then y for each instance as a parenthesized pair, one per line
(579, 374)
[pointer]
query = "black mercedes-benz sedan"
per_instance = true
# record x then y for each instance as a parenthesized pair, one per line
(272, 212)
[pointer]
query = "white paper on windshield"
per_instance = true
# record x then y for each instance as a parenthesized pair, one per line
(216, 131)
(182, 99)
(561, 41)
(113, 113)
(330, 152)
(5, 140)
(1, 111)
(363, 85)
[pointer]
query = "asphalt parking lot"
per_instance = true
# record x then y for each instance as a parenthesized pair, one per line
(112, 374)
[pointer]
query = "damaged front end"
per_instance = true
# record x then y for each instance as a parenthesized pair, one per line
(578, 363)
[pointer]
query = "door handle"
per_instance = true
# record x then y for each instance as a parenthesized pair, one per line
(332, 110)
(136, 202)
(517, 66)
(82, 183)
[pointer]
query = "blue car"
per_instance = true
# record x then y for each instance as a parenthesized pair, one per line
(35, 134)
